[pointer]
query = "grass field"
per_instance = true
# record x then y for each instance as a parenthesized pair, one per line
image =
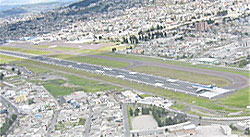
(64, 49)
(182, 75)
(28, 51)
(239, 99)
(89, 85)
(205, 103)
(178, 106)
(33, 68)
(217, 68)
(56, 87)
(145, 95)
(109, 48)
(90, 60)
(8, 59)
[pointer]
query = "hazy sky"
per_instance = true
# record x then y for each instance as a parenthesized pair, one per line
(21, 2)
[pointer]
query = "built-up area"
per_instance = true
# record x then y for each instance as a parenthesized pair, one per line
(28, 109)
(211, 32)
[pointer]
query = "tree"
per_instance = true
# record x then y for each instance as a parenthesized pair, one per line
(130, 112)
(81, 121)
(145, 111)
(30, 101)
(13, 117)
(158, 27)
(18, 72)
(233, 127)
(137, 112)
(247, 131)
(1, 76)
(243, 63)
(166, 130)
(170, 121)
(113, 49)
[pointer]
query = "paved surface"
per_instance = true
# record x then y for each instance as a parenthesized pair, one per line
(237, 81)
(144, 122)
(88, 122)
(126, 121)
(15, 110)
(147, 79)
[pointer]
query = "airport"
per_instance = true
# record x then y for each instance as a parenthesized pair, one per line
(186, 87)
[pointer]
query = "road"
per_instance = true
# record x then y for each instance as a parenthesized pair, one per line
(88, 122)
(125, 120)
(147, 79)
(9, 105)
(51, 126)
(15, 111)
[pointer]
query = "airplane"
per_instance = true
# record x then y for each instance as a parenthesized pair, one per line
(200, 87)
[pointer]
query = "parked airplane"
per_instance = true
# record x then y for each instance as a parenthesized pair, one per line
(203, 87)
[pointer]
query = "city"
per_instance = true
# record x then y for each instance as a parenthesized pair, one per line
(125, 68)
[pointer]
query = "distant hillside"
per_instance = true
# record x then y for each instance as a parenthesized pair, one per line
(55, 20)
(83, 3)
(14, 11)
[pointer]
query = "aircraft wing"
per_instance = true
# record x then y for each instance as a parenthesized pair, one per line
(199, 89)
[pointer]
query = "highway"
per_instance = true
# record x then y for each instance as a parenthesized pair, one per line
(147, 79)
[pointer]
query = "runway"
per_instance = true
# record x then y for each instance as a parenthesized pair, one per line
(147, 79)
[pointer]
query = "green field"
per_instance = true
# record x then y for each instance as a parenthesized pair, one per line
(33, 68)
(181, 63)
(64, 49)
(28, 51)
(91, 60)
(89, 85)
(182, 75)
(56, 87)
(145, 95)
(239, 99)
(178, 106)
(8, 59)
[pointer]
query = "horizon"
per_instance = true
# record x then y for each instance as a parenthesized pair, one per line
(27, 2)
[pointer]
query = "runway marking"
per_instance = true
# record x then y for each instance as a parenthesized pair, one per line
(145, 78)
(159, 81)
(133, 76)
(189, 87)
(174, 84)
